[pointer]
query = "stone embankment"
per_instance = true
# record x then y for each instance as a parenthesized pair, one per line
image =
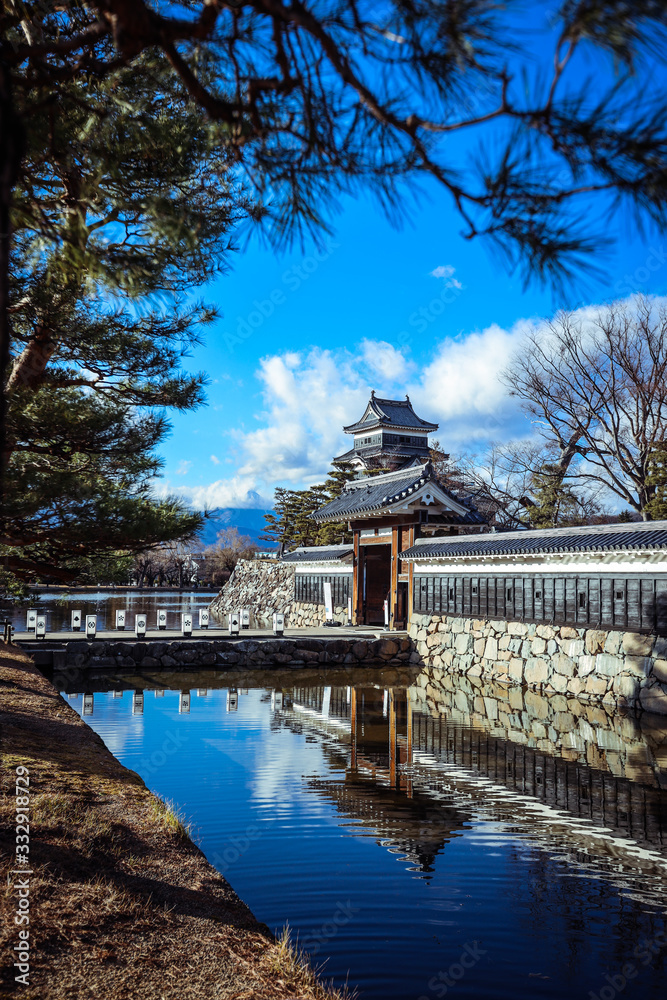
(223, 653)
(259, 585)
(616, 668)
(264, 587)
(313, 615)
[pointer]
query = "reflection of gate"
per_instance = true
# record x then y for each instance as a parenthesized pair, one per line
(377, 582)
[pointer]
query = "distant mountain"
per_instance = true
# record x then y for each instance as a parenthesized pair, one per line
(247, 521)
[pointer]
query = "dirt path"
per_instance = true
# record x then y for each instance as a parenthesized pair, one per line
(122, 904)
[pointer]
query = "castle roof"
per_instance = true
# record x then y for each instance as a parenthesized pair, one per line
(383, 494)
(390, 413)
(640, 535)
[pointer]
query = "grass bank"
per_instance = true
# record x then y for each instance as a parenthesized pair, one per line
(123, 905)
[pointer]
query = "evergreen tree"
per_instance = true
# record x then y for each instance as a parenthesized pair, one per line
(136, 193)
(291, 524)
(552, 502)
(656, 508)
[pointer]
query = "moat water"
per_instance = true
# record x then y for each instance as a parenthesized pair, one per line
(420, 843)
(58, 606)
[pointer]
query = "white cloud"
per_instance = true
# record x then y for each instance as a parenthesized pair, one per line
(238, 491)
(385, 360)
(215, 459)
(460, 388)
(183, 468)
(446, 271)
(309, 396)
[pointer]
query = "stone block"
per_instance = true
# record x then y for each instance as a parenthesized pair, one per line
(515, 698)
(558, 682)
(575, 686)
(626, 688)
(660, 647)
(536, 671)
(434, 640)
(567, 632)
(517, 628)
(359, 649)
(462, 643)
(545, 631)
(613, 642)
(595, 640)
(537, 705)
(654, 699)
(499, 627)
(538, 646)
(479, 645)
(638, 666)
(563, 664)
(607, 665)
(636, 644)
(659, 669)
(491, 649)
(148, 661)
(586, 665)
(516, 669)
(596, 686)
(388, 648)
(573, 647)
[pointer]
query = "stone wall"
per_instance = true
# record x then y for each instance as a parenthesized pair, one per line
(220, 653)
(621, 668)
(313, 615)
(264, 587)
(261, 585)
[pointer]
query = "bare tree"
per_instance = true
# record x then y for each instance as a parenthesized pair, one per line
(596, 390)
(230, 546)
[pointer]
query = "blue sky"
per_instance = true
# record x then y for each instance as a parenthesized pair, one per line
(304, 337)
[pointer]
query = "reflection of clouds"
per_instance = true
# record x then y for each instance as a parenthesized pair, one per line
(275, 760)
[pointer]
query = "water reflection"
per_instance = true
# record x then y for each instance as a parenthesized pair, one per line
(443, 813)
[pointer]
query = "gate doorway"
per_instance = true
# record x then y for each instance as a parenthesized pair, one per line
(376, 582)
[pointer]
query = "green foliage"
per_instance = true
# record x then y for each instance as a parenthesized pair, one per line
(317, 100)
(291, 524)
(656, 480)
(555, 503)
(125, 208)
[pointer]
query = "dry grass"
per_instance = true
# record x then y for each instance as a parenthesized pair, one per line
(171, 818)
(123, 905)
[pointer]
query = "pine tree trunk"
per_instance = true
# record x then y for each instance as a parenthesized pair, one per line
(11, 151)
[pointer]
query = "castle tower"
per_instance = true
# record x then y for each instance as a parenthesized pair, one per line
(388, 435)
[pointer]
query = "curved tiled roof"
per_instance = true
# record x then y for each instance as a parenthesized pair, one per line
(393, 413)
(318, 553)
(380, 492)
(587, 538)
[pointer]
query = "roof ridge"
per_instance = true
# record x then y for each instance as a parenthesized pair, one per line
(577, 529)
(413, 471)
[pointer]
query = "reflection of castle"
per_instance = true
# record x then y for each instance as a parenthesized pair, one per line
(414, 780)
